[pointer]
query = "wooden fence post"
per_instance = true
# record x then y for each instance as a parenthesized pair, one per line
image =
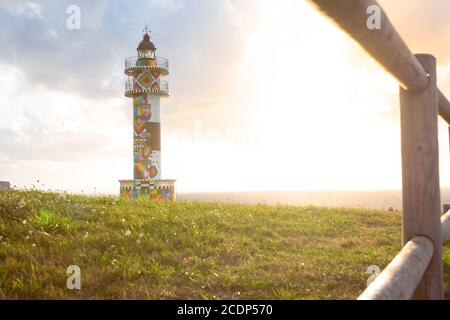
(420, 175)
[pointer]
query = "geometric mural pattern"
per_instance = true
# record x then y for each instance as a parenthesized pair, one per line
(147, 128)
(149, 192)
(146, 137)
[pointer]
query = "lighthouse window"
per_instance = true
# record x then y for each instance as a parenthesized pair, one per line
(147, 54)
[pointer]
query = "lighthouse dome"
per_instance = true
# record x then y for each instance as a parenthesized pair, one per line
(146, 44)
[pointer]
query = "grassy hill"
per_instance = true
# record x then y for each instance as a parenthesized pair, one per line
(158, 250)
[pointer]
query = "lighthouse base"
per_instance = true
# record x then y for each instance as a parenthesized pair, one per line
(149, 189)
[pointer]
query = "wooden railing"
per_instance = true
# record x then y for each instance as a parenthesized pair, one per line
(417, 271)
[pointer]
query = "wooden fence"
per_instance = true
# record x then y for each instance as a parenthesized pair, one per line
(417, 271)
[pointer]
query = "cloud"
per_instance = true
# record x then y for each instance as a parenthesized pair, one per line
(61, 93)
(203, 41)
(65, 147)
(275, 69)
(169, 5)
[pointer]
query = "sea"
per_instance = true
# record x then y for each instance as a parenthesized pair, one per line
(376, 199)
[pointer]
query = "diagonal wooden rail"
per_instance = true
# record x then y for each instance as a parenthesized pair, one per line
(400, 278)
(416, 272)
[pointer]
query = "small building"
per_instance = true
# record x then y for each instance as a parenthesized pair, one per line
(5, 185)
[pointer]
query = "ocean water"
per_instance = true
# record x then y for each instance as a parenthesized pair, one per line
(356, 199)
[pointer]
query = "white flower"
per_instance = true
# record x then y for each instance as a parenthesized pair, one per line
(22, 203)
(127, 233)
(138, 241)
(24, 221)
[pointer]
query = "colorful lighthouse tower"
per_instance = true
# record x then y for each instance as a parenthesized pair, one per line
(145, 86)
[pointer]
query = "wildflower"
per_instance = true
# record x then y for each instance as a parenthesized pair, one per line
(123, 220)
(27, 237)
(127, 233)
(112, 246)
(34, 244)
(24, 222)
(22, 203)
(141, 235)
(138, 241)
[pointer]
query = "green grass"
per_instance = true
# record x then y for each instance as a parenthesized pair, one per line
(158, 250)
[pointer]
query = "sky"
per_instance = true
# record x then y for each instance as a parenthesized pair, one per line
(264, 95)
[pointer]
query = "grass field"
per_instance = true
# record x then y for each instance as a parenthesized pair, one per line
(159, 250)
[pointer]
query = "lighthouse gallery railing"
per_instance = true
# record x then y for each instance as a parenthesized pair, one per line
(161, 63)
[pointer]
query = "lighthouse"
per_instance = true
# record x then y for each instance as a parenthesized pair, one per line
(145, 86)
